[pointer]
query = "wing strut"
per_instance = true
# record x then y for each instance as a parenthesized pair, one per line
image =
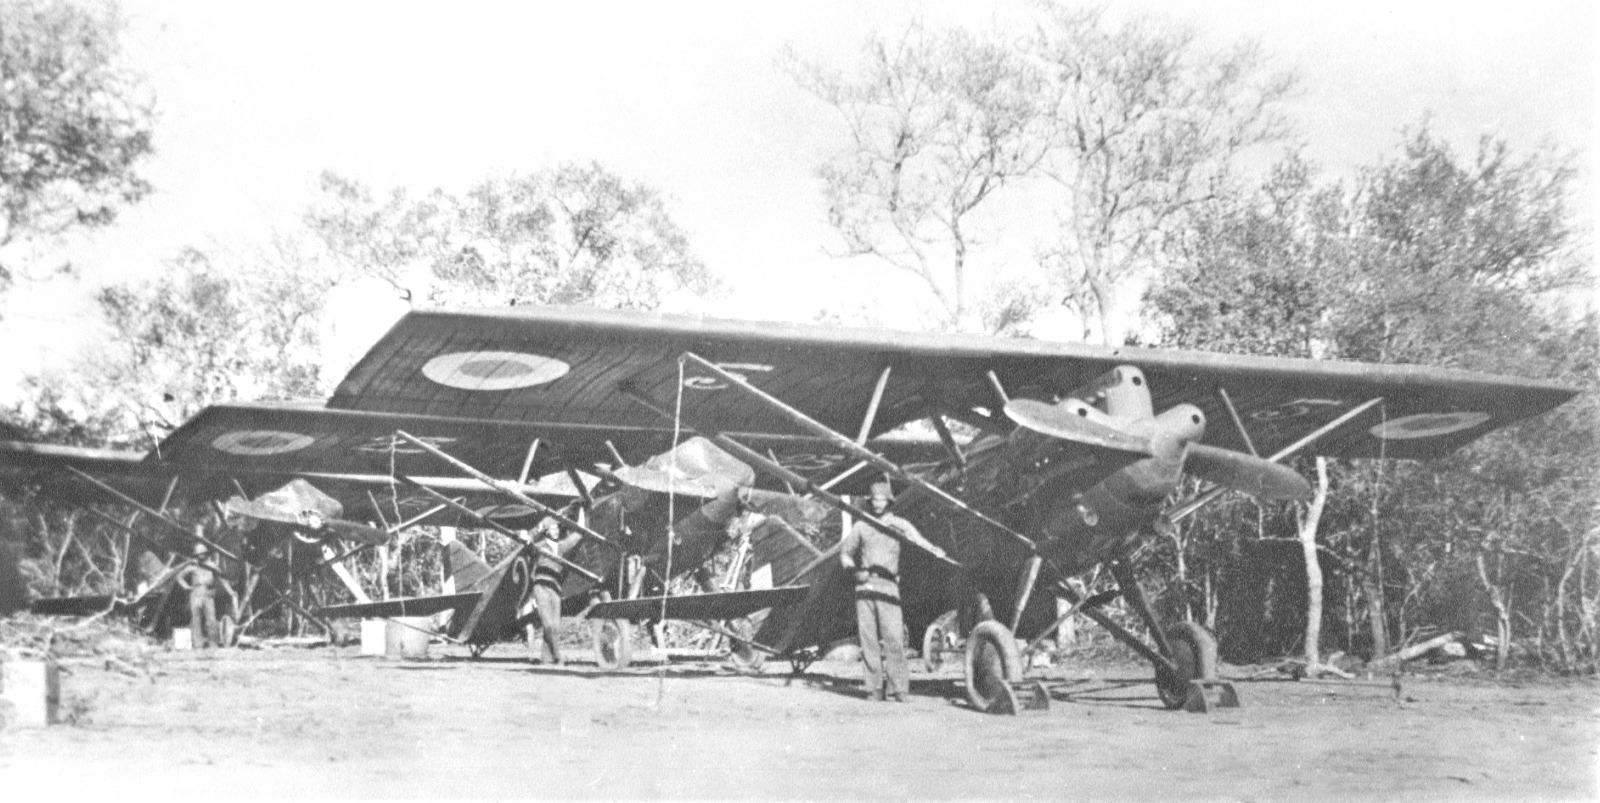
(161, 517)
(391, 530)
(762, 463)
(527, 464)
(492, 524)
(872, 406)
(1188, 508)
(1238, 423)
(511, 492)
(861, 452)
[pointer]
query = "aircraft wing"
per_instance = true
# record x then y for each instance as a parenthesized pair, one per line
(45, 465)
(582, 368)
(409, 606)
(714, 606)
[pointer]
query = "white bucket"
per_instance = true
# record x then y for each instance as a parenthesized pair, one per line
(408, 636)
(182, 638)
(33, 688)
(374, 637)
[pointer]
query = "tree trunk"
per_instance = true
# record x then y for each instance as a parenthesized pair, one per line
(1308, 549)
(1502, 614)
(1372, 586)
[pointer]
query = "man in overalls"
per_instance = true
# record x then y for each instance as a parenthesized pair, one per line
(873, 558)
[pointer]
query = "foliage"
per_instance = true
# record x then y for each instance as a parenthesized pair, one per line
(74, 124)
(218, 325)
(1408, 266)
(576, 234)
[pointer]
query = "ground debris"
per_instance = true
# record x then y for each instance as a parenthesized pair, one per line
(109, 641)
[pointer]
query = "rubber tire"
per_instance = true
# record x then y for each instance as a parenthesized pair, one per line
(992, 663)
(613, 643)
(1194, 652)
(935, 641)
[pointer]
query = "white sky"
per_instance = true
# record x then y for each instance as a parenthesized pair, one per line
(257, 98)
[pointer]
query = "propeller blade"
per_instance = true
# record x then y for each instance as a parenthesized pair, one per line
(1075, 421)
(1253, 475)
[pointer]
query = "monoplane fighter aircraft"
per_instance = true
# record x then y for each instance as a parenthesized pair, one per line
(1078, 449)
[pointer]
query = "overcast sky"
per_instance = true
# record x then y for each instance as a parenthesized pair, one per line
(258, 98)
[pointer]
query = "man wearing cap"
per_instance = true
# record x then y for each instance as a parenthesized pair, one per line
(201, 579)
(873, 557)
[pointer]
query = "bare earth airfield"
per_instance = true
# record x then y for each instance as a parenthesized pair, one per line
(330, 723)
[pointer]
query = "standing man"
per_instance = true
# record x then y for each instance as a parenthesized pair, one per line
(874, 559)
(201, 579)
(548, 574)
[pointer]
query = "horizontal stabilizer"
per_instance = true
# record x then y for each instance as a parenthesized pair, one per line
(717, 606)
(410, 606)
(72, 606)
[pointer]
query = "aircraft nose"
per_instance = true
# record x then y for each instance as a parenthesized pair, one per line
(1175, 429)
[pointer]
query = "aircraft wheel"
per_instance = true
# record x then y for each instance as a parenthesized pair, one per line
(993, 663)
(613, 643)
(936, 641)
(1194, 654)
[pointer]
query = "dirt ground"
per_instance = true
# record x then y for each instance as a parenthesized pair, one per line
(329, 723)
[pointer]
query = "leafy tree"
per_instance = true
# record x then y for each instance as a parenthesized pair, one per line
(1409, 266)
(576, 234)
(74, 124)
(217, 325)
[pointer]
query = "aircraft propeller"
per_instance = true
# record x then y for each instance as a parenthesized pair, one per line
(1174, 434)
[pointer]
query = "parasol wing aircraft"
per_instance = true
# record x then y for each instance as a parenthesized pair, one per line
(1077, 452)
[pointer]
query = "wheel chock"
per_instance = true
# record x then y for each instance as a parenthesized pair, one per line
(1018, 696)
(1032, 695)
(1198, 700)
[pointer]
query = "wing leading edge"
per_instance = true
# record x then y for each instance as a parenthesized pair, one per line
(587, 368)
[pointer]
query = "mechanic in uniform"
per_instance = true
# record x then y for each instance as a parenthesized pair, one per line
(548, 574)
(201, 580)
(874, 559)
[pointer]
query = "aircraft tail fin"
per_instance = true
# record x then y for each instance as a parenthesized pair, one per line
(464, 566)
(778, 553)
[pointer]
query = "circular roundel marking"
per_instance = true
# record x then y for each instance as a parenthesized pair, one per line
(493, 370)
(1428, 425)
(258, 442)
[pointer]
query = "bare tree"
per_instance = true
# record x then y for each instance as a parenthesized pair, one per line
(939, 123)
(1149, 127)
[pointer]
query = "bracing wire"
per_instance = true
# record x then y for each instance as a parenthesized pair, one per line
(672, 521)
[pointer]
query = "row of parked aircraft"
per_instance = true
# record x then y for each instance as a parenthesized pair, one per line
(1024, 464)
